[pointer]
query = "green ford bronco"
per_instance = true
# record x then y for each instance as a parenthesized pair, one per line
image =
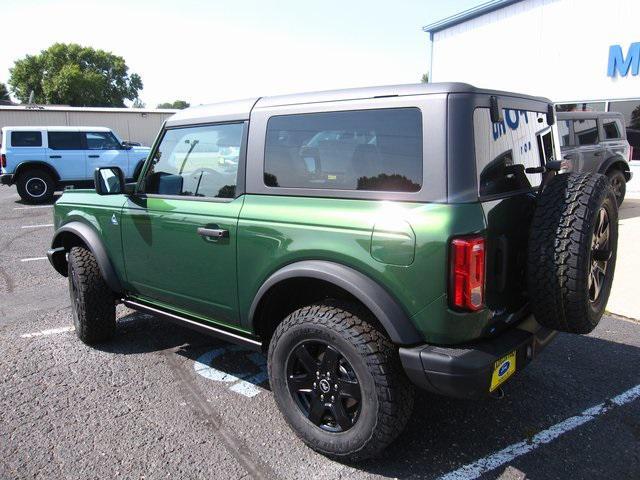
(367, 240)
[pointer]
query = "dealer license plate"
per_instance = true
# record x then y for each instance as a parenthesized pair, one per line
(502, 370)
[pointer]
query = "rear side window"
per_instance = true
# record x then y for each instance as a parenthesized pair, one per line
(564, 132)
(612, 128)
(352, 150)
(586, 131)
(26, 139)
(505, 149)
(66, 141)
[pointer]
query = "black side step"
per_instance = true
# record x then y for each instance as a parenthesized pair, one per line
(196, 325)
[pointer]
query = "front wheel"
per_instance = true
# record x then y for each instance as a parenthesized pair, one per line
(35, 186)
(92, 302)
(338, 382)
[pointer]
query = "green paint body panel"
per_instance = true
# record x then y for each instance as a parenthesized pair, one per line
(160, 258)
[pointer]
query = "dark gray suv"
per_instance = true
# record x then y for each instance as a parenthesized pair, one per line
(596, 142)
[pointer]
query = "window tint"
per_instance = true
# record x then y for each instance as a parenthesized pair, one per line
(102, 141)
(26, 139)
(351, 150)
(196, 161)
(612, 128)
(564, 132)
(631, 111)
(586, 131)
(581, 107)
(66, 141)
(505, 149)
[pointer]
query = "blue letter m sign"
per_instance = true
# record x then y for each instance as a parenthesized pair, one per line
(622, 65)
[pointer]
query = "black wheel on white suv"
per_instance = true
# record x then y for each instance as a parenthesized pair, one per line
(338, 381)
(35, 186)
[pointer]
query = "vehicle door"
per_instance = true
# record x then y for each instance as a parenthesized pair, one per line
(67, 154)
(179, 229)
(104, 150)
(589, 153)
(613, 138)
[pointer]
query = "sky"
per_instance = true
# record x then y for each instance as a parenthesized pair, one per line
(208, 51)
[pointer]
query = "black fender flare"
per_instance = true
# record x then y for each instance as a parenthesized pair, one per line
(60, 245)
(382, 305)
(27, 164)
(611, 161)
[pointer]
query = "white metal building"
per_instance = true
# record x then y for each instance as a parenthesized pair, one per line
(133, 124)
(582, 54)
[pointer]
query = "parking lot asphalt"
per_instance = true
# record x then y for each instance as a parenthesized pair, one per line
(162, 401)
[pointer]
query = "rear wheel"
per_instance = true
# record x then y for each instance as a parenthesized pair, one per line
(618, 184)
(35, 186)
(92, 302)
(338, 381)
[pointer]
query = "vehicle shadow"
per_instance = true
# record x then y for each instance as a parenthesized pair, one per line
(572, 374)
(53, 200)
(630, 208)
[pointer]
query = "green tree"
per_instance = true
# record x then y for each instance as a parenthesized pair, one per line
(4, 93)
(74, 75)
(137, 103)
(179, 104)
(425, 78)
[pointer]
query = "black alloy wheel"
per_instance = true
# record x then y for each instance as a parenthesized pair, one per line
(324, 386)
(600, 254)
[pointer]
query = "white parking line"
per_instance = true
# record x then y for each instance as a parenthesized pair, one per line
(491, 462)
(32, 259)
(38, 226)
(34, 206)
(50, 331)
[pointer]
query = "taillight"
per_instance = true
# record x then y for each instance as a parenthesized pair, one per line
(3, 161)
(467, 273)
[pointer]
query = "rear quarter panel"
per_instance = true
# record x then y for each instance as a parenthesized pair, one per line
(274, 231)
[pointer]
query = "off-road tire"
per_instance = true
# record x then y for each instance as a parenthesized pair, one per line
(92, 302)
(560, 251)
(618, 183)
(30, 182)
(387, 394)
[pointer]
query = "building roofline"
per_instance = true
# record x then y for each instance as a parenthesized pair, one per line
(467, 15)
(64, 108)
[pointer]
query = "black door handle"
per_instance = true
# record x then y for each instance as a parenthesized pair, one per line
(94, 156)
(213, 233)
(55, 156)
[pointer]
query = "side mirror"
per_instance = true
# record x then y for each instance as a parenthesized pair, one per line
(126, 146)
(109, 180)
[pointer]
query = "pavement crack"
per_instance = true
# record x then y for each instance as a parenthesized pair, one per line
(196, 400)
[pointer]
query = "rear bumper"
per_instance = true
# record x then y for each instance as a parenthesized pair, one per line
(466, 371)
(6, 179)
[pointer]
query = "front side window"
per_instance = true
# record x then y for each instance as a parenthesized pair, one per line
(197, 162)
(66, 141)
(586, 131)
(612, 128)
(504, 150)
(102, 141)
(26, 139)
(351, 150)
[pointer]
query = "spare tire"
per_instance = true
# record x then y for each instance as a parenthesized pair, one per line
(572, 252)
